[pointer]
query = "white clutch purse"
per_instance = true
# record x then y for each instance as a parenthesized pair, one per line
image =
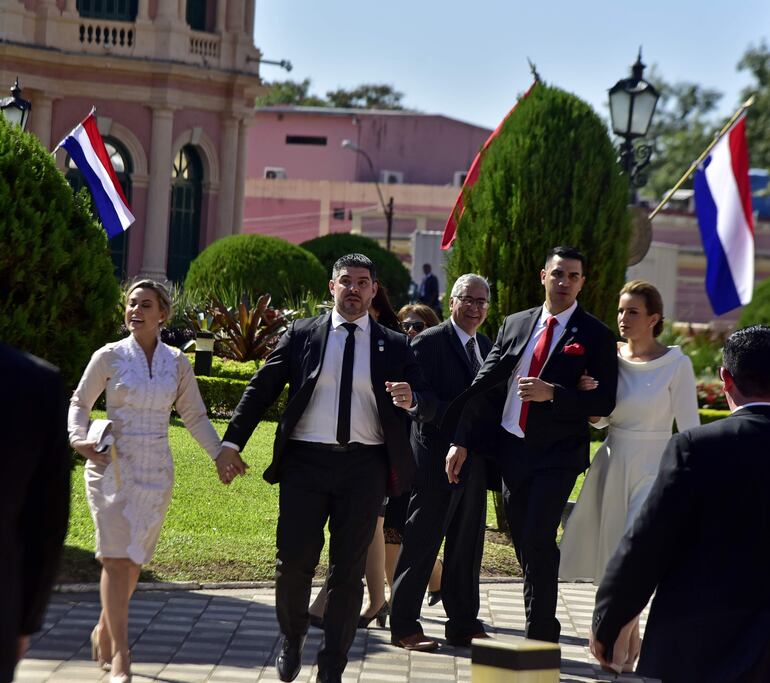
(100, 432)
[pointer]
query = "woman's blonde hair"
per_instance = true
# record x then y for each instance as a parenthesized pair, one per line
(653, 301)
(427, 314)
(164, 297)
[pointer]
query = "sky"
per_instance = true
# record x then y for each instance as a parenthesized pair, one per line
(469, 60)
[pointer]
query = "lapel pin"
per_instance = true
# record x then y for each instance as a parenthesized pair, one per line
(381, 345)
(573, 330)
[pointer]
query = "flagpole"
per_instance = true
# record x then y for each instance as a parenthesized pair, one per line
(704, 154)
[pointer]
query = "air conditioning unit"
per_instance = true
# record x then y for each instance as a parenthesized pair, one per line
(275, 172)
(391, 177)
(459, 178)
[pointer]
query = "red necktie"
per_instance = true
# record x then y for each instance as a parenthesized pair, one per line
(539, 356)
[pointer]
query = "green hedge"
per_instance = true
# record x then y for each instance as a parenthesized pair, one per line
(711, 415)
(222, 394)
(390, 271)
(256, 265)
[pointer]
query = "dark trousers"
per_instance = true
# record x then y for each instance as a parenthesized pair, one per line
(534, 500)
(460, 516)
(346, 489)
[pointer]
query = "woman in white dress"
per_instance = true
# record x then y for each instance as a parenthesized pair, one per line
(143, 378)
(656, 385)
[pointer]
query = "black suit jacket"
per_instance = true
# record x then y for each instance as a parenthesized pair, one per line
(702, 540)
(447, 369)
(429, 290)
(34, 504)
(559, 428)
(297, 360)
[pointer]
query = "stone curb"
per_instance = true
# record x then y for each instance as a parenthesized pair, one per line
(222, 585)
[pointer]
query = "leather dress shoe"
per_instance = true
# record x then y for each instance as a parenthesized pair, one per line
(289, 659)
(417, 641)
(328, 677)
(465, 641)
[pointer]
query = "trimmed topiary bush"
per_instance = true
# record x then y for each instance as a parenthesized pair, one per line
(549, 178)
(256, 265)
(757, 311)
(58, 295)
(390, 271)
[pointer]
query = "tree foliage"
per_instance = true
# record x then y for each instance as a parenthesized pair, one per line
(756, 60)
(550, 177)
(58, 294)
(254, 265)
(681, 129)
(365, 96)
(390, 271)
(758, 310)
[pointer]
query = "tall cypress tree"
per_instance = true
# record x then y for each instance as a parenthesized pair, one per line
(550, 177)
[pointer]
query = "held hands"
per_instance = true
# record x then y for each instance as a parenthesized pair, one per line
(87, 450)
(625, 650)
(454, 462)
(22, 645)
(534, 389)
(401, 393)
(229, 465)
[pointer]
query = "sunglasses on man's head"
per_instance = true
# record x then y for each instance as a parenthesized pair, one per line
(417, 325)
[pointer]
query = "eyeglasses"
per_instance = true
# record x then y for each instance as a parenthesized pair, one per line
(469, 301)
(417, 325)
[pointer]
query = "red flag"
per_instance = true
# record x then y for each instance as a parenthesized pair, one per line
(470, 180)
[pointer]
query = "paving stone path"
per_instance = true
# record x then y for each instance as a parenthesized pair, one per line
(231, 636)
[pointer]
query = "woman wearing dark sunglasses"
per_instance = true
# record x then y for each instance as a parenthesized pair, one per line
(415, 318)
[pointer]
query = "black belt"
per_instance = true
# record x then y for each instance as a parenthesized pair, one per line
(335, 447)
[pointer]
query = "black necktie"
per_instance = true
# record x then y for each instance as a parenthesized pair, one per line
(346, 386)
(470, 347)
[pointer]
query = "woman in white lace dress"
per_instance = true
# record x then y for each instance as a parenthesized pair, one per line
(656, 385)
(143, 378)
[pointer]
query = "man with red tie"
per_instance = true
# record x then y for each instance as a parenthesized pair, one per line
(526, 398)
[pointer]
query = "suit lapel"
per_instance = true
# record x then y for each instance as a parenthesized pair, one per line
(377, 351)
(527, 325)
(568, 335)
(319, 337)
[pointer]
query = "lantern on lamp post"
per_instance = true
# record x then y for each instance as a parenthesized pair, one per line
(15, 108)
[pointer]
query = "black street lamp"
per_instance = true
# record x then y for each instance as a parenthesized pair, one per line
(387, 209)
(632, 104)
(15, 108)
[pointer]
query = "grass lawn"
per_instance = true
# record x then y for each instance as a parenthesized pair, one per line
(218, 533)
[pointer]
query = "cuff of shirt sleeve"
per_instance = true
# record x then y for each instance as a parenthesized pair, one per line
(230, 444)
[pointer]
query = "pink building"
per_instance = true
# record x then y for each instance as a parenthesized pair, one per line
(302, 183)
(174, 83)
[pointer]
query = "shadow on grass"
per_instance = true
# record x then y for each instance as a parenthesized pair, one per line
(80, 566)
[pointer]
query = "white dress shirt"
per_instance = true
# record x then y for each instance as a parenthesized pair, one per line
(464, 337)
(512, 408)
(318, 423)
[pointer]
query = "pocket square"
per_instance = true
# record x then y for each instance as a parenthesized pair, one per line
(574, 350)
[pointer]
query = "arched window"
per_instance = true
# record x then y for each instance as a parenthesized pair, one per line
(121, 162)
(185, 219)
(117, 10)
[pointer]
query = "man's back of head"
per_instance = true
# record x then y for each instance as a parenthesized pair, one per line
(746, 364)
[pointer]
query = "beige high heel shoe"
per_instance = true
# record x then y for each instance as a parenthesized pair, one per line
(124, 677)
(96, 653)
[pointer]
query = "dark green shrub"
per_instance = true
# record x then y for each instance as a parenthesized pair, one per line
(255, 265)
(222, 394)
(757, 311)
(711, 415)
(390, 271)
(549, 178)
(58, 294)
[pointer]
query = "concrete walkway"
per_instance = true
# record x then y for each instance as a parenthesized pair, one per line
(231, 636)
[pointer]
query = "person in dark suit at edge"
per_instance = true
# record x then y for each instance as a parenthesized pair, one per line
(428, 291)
(701, 542)
(34, 506)
(449, 354)
(340, 444)
(526, 393)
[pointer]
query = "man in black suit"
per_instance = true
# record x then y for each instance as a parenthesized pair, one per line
(449, 354)
(428, 292)
(34, 505)
(342, 441)
(526, 396)
(701, 542)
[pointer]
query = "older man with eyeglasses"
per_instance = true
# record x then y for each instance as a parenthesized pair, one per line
(449, 355)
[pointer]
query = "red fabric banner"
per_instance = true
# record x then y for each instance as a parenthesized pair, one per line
(450, 230)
